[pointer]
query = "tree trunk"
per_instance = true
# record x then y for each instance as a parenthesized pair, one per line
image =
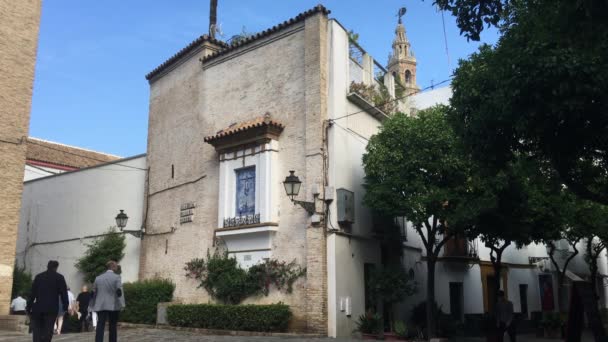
(430, 298)
(497, 265)
(592, 267)
(560, 277)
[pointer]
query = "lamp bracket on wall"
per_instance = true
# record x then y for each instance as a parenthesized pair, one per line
(308, 206)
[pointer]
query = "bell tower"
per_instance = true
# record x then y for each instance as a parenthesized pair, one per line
(402, 63)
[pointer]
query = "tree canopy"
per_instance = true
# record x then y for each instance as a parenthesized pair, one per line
(415, 168)
(541, 91)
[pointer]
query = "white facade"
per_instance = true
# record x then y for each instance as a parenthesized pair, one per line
(250, 246)
(61, 214)
(34, 172)
(348, 248)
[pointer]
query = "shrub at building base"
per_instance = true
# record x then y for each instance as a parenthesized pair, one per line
(22, 282)
(142, 298)
(263, 318)
(222, 277)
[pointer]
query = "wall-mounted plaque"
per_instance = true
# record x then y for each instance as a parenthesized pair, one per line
(186, 212)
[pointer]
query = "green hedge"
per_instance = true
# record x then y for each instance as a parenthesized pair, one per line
(273, 317)
(142, 298)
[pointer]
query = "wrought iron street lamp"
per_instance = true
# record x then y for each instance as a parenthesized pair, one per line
(292, 186)
(121, 223)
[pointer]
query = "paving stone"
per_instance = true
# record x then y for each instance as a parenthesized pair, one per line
(150, 335)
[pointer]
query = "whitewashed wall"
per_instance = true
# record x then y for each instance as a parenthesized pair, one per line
(346, 255)
(79, 204)
(35, 172)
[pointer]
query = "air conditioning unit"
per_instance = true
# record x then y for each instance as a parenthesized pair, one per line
(346, 206)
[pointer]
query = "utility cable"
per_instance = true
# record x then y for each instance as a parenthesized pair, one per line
(445, 39)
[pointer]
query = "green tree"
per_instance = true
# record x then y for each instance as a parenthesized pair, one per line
(110, 246)
(520, 208)
(583, 221)
(390, 284)
(590, 220)
(415, 168)
(541, 90)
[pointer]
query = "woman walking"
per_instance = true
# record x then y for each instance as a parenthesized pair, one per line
(59, 320)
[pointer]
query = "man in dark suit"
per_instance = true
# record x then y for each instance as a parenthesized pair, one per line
(48, 289)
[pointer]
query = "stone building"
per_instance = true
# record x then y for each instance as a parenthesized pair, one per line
(227, 124)
(19, 22)
(402, 63)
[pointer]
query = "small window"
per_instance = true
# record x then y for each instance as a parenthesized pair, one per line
(245, 191)
(408, 77)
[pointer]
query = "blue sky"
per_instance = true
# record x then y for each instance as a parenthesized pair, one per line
(90, 89)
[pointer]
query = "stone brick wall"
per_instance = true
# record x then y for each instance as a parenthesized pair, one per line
(316, 65)
(283, 74)
(19, 22)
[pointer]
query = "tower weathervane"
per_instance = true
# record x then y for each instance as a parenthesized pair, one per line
(401, 13)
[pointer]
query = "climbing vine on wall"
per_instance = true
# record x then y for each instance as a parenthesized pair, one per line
(224, 280)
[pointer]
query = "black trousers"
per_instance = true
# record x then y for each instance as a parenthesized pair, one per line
(510, 330)
(83, 324)
(43, 326)
(102, 317)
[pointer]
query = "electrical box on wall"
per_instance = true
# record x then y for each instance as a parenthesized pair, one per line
(346, 206)
(348, 306)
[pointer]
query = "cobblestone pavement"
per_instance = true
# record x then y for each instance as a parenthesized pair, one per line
(153, 335)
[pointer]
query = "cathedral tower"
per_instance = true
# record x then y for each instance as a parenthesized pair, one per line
(402, 63)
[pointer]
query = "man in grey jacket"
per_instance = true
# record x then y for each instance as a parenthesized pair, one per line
(108, 301)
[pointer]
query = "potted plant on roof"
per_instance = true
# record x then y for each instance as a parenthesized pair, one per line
(391, 285)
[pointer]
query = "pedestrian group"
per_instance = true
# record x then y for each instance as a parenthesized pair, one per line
(51, 299)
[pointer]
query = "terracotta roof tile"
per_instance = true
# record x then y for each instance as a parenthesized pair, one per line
(227, 48)
(54, 153)
(300, 17)
(243, 126)
(183, 52)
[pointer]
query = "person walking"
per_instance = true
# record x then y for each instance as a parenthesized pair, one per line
(82, 306)
(60, 314)
(108, 301)
(18, 305)
(505, 317)
(71, 303)
(43, 305)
